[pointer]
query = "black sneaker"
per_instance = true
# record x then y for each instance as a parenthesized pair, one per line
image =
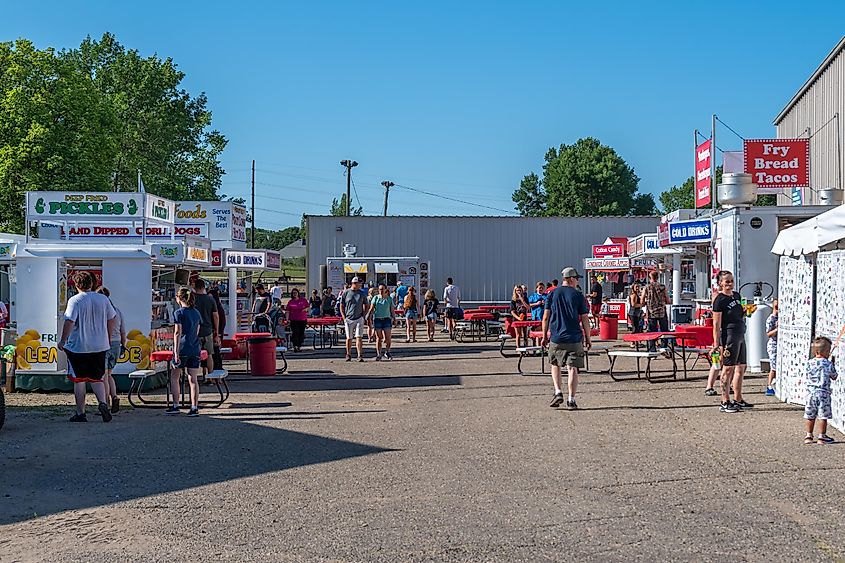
(172, 410)
(360, 358)
(728, 407)
(710, 392)
(79, 418)
(194, 412)
(104, 412)
(743, 405)
(115, 405)
(570, 404)
(557, 400)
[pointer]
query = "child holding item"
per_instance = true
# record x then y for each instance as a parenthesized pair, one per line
(820, 373)
(772, 347)
(186, 350)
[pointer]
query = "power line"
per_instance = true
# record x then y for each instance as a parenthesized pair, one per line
(355, 189)
(456, 200)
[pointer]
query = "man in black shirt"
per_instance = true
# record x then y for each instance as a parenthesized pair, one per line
(207, 308)
(595, 299)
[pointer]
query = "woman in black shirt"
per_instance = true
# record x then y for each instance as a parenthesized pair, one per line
(729, 339)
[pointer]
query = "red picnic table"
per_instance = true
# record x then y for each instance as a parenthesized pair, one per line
(322, 322)
(499, 308)
(138, 377)
(477, 320)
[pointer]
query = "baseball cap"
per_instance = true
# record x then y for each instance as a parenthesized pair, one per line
(356, 279)
(570, 273)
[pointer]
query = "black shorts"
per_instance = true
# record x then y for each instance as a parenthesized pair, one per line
(733, 349)
(189, 362)
(454, 313)
(86, 367)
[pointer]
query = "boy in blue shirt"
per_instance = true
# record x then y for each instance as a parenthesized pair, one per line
(820, 373)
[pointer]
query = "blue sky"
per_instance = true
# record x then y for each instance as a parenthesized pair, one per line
(457, 98)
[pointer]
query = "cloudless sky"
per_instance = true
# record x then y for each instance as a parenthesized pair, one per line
(457, 98)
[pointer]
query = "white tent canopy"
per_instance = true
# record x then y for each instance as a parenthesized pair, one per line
(812, 235)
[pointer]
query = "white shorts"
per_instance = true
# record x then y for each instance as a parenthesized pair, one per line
(354, 329)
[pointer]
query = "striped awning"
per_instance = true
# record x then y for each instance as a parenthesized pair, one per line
(355, 268)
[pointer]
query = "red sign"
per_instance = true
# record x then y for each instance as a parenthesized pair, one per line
(703, 160)
(96, 272)
(216, 258)
(777, 163)
(619, 308)
(663, 234)
(608, 250)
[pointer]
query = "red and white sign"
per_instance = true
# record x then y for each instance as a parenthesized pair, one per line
(775, 164)
(608, 250)
(618, 308)
(663, 234)
(216, 258)
(91, 230)
(607, 264)
(703, 162)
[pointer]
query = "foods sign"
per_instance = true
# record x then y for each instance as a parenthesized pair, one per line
(702, 174)
(775, 164)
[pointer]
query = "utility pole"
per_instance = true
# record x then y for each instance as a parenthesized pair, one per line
(253, 204)
(349, 165)
(387, 185)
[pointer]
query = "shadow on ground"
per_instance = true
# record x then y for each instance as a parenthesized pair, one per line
(97, 464)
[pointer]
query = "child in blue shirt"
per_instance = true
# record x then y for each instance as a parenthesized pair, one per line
(536, 301)
(820, 373)
(186, 350)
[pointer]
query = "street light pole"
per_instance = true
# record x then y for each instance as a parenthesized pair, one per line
(387, 185)
(349, 165)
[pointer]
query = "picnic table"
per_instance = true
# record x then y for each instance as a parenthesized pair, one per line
(137, 378)
(649, 340)
(477, 321)
(322, 322)
(703, 334)
(500, 308)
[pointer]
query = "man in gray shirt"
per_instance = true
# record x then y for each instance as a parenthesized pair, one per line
(353, 305)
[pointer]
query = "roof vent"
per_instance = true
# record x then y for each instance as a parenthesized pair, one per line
(349, 250)
(737, 189)
(831, 196)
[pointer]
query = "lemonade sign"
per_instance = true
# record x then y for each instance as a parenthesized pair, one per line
(31, 353)
(138, 349)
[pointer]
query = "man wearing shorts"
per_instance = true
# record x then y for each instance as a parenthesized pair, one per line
(595, 299)
(352, 308)
(207, 308)
(566, 330)
(89, 320)
(452, 299)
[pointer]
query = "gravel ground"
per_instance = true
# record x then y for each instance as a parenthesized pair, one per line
(443, 454)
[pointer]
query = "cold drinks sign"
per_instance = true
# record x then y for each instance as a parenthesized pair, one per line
(777, 163)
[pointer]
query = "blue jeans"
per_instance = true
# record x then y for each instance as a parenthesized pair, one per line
(659, 324)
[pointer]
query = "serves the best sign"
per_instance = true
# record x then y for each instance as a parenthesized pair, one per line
(778, 163)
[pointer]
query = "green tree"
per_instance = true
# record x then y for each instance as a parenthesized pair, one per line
(56, 131)
(273, 240)
(338, 208)
(585, 178)
(163, 131)
(683, 196)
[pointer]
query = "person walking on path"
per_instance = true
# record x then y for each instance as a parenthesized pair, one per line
(729, 339)
(352, 311)
(537, 300)
(635, 308)
(411, 307)
(382, 311)
(329, 301)
(206, 306)
(819, 375)
(117, 343)
(276, 293)
(452, 299)
(186, 351)
(401, 293)
(88, 322)
(371, 332)
(297, 309)
(430, 313)
(772, 348)
(566, 331)
(655, 298)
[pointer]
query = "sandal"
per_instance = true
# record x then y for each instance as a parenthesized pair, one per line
(809, 440)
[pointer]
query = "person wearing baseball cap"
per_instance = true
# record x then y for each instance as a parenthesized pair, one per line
(566, 331)
(353, 305)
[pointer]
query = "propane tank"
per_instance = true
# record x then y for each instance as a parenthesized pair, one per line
(755, 336)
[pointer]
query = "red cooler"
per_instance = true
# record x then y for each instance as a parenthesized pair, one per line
(262, 356)
(609, 327)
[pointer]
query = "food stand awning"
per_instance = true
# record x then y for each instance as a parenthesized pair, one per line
(355, 268)
(387, 268)
(813, 234)
(84, 251)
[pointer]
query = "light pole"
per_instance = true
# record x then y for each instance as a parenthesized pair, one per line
(349, 165)
(387, 185)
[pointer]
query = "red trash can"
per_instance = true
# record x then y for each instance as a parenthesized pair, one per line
(262, 356)
(609, 327)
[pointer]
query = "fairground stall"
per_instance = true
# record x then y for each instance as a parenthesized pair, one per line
(239, 316)
(690, 241)
(410, 270)
(611, 267)
(8, 250)
(811, 295)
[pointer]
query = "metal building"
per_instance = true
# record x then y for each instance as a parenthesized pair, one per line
(818, 109)
(486, 256)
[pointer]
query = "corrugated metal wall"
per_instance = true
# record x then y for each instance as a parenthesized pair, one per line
(822, 100)
(486, 256)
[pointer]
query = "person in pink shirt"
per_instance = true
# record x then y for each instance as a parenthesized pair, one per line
(297, 309)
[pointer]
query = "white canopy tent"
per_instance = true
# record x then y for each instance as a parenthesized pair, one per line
(817, 233)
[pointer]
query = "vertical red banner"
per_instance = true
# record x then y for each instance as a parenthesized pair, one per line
(702, 174)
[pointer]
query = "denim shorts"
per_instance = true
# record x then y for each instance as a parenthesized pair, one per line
(383, 324)
(189, 362)
(431, 316)
(411, 314)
